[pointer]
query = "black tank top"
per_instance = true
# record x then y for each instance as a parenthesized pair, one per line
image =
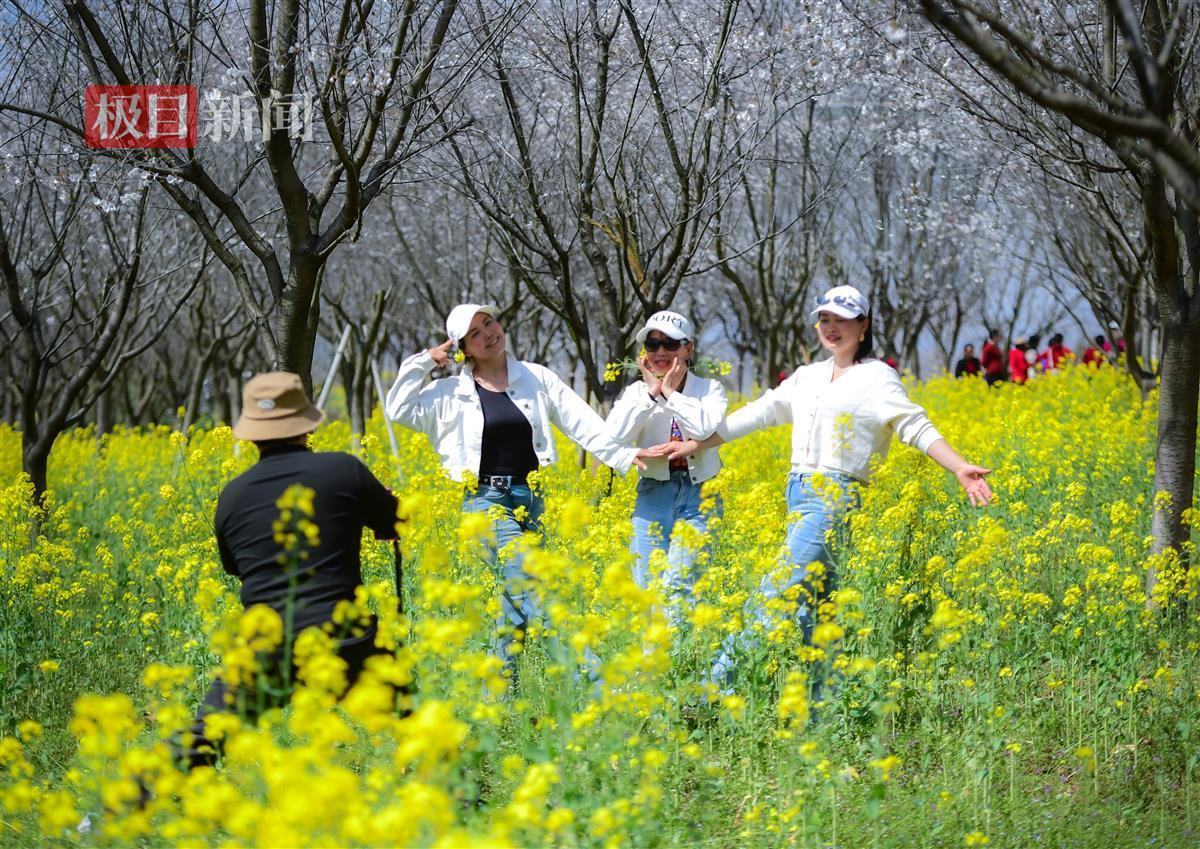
(507, 438)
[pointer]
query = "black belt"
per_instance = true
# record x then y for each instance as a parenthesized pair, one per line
(504, 483)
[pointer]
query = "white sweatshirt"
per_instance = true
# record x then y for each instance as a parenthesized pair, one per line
(838, 425)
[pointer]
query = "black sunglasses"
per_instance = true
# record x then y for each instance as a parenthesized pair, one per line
(653, 345)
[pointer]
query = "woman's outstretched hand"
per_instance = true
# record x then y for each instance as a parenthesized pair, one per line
(972, 479)
(652, 453)
(680, 450)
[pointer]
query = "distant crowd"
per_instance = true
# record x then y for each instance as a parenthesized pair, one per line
(1027, 359)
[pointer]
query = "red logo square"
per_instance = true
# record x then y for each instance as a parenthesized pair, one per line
(140, 116)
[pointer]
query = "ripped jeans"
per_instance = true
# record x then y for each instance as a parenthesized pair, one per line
(811, 517)
(660, 507)
(520, 603)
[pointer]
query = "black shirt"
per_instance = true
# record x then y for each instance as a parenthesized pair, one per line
(507, 447)
(967, 365)
(347, 499)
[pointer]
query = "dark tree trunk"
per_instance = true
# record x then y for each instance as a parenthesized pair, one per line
(234, 394)
(195, 393)
(348, 372)
(299, 310)
(222, 406)
(104, 417)
(1179, 324)
(364, 392)
(1175, 457)
(35, 456)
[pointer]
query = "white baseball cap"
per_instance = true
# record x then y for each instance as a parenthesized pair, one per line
(845, 301)
(668, 323)
(459, 320)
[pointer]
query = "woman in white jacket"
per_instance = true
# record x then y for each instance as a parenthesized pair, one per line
(843, 411)
(670, 404)
(491, 423)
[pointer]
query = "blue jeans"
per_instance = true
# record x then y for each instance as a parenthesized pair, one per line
(519, 602)
(811, 516)
(660, 505)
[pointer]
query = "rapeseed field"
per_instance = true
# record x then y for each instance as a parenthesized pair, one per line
(995, 677)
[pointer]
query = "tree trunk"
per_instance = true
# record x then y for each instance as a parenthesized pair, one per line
(195, 393)
(235, 393)
(351, 374)
(299, 309)
(1175, 457)
(222, 404)
(35, 456)
(104, 417)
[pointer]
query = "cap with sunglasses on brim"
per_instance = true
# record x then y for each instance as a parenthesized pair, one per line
(275, 406)
(670, 324)
(844, 301)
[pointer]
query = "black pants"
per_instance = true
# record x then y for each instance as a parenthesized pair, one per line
(198, 750)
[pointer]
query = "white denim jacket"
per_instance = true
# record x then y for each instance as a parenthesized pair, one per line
(645, 421)
(838, 425)
(448, 411)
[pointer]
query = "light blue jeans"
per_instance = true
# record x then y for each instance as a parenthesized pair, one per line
(811, 517)
(660, 505)
(519, 602)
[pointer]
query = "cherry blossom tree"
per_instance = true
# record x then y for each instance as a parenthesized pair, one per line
(1125, 76)
(377, 77)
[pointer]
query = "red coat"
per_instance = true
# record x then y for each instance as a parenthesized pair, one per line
(1055, 354)
(992, 358)
(1018, 366)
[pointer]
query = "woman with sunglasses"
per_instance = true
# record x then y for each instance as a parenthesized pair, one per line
(491, 423)
(843, 411)
(670, 404)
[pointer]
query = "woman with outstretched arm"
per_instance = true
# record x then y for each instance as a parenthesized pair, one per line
(843, 411)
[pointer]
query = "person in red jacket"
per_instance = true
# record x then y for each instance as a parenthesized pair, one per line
(992, 358)
(1018, 366)
(1094, 354)
(1057, 353)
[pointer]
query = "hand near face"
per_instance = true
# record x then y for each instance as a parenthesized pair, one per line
(673, 379)
(441, 354)
(653, 383)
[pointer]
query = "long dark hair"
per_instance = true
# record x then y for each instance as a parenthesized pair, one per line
(868, 343)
